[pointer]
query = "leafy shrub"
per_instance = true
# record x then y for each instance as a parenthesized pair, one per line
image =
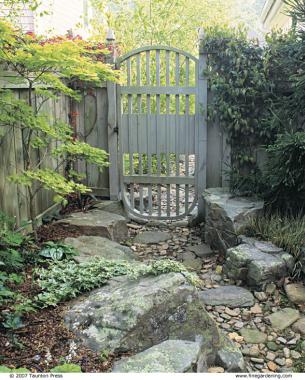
(285, 174)
(286, 232)
(65, 280)
(57, 251)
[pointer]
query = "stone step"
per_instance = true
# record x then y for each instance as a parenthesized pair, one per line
(173, 356)
(97, 223)
(89, 247)
(231, 296)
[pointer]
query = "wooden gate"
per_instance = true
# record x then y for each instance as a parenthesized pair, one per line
(162, 102)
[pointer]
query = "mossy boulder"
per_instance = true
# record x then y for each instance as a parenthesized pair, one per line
(134, 315)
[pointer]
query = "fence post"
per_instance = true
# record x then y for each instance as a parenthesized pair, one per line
(202, 101)
(112, 125)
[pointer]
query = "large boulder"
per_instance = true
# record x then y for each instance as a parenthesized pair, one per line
(97, 223)
(225, 214)
(257, 263)
(134, 315)
(89, 247)
(173, 356)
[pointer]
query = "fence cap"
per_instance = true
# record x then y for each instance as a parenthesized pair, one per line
(110, 35)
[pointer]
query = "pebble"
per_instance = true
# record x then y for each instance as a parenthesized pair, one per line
(232, 313)
(257, 360)
(261, 296)
(295, 354)
(256, 309)
(282, 340)
(286, 352)
(270, 356)
(254, 351)
(289, 363)
(216, 370)
(280, 361)
(272, 366)
(239, 325)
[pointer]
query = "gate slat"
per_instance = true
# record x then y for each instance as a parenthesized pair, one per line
(187, 112)
(168, 136)
(130, 133)
(158, 130)
(139, 131)
(177, 130)
(150, 200)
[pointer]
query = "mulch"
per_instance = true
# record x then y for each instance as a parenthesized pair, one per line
(44, 335)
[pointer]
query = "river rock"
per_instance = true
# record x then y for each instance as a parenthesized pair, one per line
(97, 223)
(256, 268)
(295, 293)
(95, 246)
(152, 237)
(225, 214)
(284, 318)
(231, 296)
(133, 315)
(174, 356)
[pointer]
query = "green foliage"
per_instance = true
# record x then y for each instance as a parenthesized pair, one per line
(163, 22)
(10, 242)
(49, 69)
(4, 369)
(66, 368)
(285, 175)
(238, 82)
(286, 232)
(66, 279)
(57, 251)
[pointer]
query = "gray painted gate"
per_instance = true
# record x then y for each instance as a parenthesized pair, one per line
(162, 103)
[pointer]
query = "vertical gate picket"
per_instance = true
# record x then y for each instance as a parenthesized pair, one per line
(158, 129)
(129, 110)
(168, 135)
(177, 80)
(139, 110)
(187, 113)
(148, 106)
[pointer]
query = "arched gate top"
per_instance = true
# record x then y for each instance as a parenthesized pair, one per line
(155, 47)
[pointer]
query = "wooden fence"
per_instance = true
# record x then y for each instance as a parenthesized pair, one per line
(91, 121)
(96, 123)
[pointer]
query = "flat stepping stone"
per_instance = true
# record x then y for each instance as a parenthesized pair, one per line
(191, 261)
(296, 293)
(97, 223)
(114, 207)
(95, 246)
(231, 296)
(253, 336)
(201, 250)
(173, 356)
(152, 237)
(284, 318)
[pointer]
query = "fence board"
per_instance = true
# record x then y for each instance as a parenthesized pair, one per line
(12, 197)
